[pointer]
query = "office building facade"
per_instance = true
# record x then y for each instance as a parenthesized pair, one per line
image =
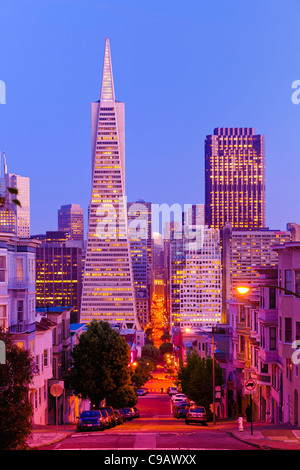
(235, 179)
(71, 220)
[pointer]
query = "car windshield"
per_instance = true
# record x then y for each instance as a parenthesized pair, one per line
(198, 409)
(104, 413)
(89, 414)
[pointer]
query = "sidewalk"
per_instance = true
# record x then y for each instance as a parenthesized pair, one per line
(45, 435)
(264, 435)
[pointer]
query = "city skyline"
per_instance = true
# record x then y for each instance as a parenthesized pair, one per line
(222, 97)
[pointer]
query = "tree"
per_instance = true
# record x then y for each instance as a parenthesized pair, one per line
(150, 351)
(166, 348)
(16, 409)
(141, 372)
(100, 366)
(197, 379)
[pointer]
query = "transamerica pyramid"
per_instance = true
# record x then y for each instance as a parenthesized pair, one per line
(108, 287)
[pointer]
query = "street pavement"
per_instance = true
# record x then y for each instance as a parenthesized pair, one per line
(265, 436)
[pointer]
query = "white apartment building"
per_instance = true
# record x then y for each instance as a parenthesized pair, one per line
(17, 314)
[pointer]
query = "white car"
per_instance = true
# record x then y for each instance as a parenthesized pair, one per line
(172, 390)
(178, 396)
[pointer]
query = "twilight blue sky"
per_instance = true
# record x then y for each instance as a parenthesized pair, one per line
(182, 69)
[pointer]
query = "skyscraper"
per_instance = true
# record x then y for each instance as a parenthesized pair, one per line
(14, 218)
(70, 219)
(195, 278)
(22, 184)
(139, 215)
(58, 272)
(235, 179)
(108, 289)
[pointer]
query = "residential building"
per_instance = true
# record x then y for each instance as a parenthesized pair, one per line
(17, 314)
(108, 287)
(289, 329)
(58, 319)
(235, 179)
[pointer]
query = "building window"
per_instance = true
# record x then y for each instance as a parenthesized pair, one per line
(273, 339)
(288, 280)
(289, 368)
(297, 281)
(45, 357)
(288, 330)
(20, 269)
(2, 268)
(272, 297)
(20, 310)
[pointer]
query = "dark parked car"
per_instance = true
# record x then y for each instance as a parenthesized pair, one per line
(119, 416)
(142, 391)
(122, 414)
(196, 414)
(129, 413)
(110, 411)
(181, 410)
(107, 418)
(89, 420)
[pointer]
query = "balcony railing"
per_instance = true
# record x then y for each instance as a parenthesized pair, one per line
(19, 283)
(22, 327)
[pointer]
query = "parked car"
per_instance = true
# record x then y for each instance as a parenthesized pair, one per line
(129, 413)
(196, 414)
(107, 418)
(119, 416)
(89, 420)
(142, 391)
(136, 412)
(172, 390)
(111, 414)
(181, 410)
(122, 414)
(179, 395)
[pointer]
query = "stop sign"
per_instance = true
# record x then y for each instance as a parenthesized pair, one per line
(56, 390)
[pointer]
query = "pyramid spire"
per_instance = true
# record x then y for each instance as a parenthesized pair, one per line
(107, 87)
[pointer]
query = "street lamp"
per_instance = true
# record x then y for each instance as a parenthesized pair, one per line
(245, 289)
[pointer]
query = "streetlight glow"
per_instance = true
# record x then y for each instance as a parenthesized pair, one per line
(243, 289)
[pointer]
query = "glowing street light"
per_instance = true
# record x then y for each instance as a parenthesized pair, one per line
(243, 290)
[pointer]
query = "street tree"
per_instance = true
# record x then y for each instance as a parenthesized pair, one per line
(141, 372)
(197, 378)
(15, 407)
(100, 366)
(150, 350)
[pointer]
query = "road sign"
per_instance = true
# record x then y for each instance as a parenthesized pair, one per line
(250, 386)
(56, 390)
